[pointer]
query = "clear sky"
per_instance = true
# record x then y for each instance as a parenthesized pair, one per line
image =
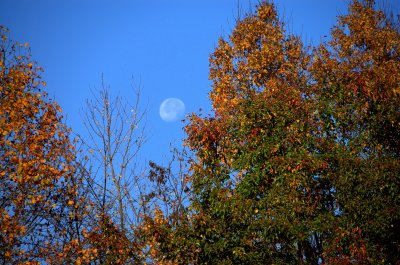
(162, 44)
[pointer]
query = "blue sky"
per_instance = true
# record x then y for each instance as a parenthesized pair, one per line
(163, 45)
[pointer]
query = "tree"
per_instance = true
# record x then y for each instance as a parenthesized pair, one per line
(255, 148)
(357, 81)
(132, 209)
(116, 133)
(42, 209)
(300, 162)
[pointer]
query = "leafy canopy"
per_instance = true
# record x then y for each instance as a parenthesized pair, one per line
(300, 162)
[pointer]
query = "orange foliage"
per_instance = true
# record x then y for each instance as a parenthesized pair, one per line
(40, 206)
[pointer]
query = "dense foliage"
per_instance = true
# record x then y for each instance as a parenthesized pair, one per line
(41, 207)
(300, 163)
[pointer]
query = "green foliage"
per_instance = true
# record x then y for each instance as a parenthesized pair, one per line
(300, 163)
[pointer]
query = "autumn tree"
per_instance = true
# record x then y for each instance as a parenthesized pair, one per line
(42, 208)
(300, 162)
(257, 194)
(357, 86)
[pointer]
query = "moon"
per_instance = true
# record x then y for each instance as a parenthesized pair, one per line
(172, 109)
